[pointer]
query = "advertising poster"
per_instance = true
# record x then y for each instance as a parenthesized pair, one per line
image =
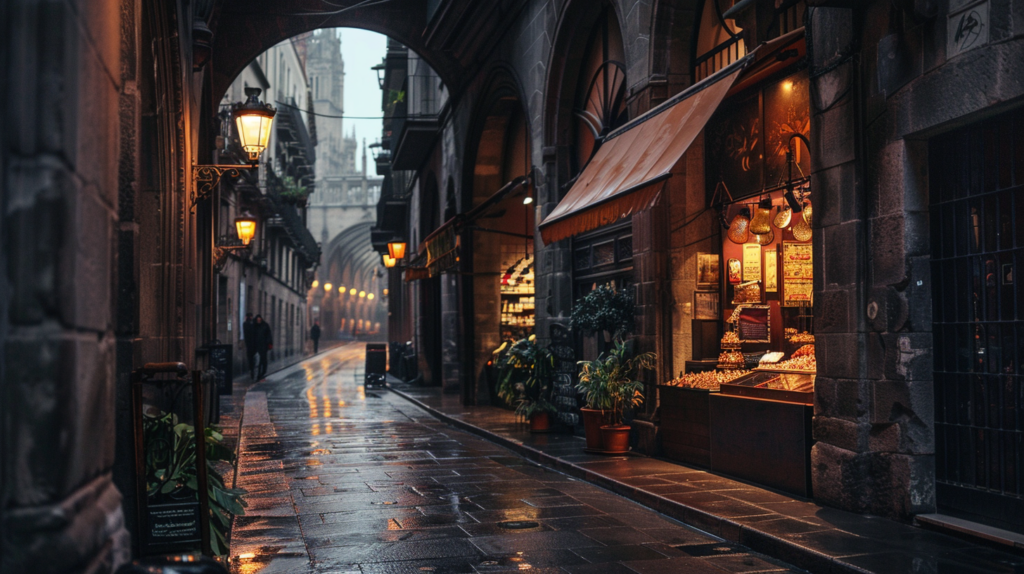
(751, 262)
(771, 271)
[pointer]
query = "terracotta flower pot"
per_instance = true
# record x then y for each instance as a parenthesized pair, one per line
(592, 421)
(540, 422)
(615, 438)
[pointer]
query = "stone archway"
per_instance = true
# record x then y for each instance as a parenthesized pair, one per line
(247, 28)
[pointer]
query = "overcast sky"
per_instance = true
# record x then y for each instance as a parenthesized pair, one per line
(361, 50)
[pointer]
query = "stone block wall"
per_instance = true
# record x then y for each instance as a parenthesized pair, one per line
(59, 183)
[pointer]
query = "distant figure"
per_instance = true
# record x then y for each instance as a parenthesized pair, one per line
(249, 334)
(264, 342)
(314, 334)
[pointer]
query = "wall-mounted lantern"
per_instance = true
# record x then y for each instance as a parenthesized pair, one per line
(389, 261)
(245, 227)
(328, 287)
(396, 249)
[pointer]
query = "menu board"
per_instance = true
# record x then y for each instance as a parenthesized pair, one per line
(797, 274)
(751, 262)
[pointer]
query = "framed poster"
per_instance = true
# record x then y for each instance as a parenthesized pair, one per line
(707, 271)
(734, 268)
(751, 262)
(797, 261)
(754, 324)
(797, 293)
(706, 305)
(771, 271)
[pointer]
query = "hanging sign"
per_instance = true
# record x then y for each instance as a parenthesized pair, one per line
(751, 262)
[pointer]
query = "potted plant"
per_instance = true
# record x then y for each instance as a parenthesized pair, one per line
(608, 384)
(524, 380)
(604, 310)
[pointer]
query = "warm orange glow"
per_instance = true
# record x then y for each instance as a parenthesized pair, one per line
(396, 249)
(788, 85)
(369, 296)
(316, 284)
(389, 261)
(352, 291)
(327, 286)
(385, 292)
(362, 294)
(245, 227)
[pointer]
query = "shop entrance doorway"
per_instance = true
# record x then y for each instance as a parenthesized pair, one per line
(977, 226)
(602, 257)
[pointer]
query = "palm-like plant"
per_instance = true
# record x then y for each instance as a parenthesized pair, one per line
(524, 371)
(609, 384)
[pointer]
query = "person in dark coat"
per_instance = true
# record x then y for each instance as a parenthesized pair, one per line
(249, 335)
(314, 334)
(264, 342)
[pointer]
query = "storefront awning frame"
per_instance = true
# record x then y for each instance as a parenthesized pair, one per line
(625, 177)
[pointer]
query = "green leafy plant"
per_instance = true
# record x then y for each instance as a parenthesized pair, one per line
(608, 383)
(170, 448)
(292, 190)
(524, 376)
(604, 309)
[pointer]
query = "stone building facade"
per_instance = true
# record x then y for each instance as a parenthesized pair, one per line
(108, 104)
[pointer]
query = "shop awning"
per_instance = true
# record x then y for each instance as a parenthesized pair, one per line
(629, 169)
(442, 244)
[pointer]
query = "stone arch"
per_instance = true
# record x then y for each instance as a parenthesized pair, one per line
(572, 41)
(350, 262)
(246, 28)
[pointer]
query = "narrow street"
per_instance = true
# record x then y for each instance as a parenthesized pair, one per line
(342, 479)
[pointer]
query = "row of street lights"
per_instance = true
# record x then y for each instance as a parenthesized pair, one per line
(341, 290)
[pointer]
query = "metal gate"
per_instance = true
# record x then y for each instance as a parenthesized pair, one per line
(977, 229)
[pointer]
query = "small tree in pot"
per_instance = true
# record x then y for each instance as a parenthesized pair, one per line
(609, 384)
(524, 380)
(604, 310)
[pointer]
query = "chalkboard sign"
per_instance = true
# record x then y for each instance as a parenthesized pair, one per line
(563, 390)
(222, 360)
(174, 525)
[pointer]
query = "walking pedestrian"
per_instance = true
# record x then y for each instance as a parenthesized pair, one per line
(249, 335)
(314, 334)
(264, 343)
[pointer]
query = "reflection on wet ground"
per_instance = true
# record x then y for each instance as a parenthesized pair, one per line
(347, 480)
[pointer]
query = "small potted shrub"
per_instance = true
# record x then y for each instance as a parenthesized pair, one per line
(524, 380)
(609, 384)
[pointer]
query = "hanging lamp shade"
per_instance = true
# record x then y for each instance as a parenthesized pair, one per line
(396, 249)
(761, 224)
(764, 238)
(802, 231)
(808, 213)
(254, 120)
(739, 230)
(784, 217)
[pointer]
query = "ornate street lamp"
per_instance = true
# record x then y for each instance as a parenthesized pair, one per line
(245, 226)
(389, 261)
(254, 121)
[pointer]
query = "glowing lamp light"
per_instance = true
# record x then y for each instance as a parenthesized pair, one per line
(362, 294)
(389, 261)
(316, 284)
(352, 291)
(253, 120)
(527, 200)
(369, 296)
(761, 222)
(385, 292)
(328, 287)
(396, 249)
(245, 227)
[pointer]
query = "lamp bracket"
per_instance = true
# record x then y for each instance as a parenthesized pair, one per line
(206, 177)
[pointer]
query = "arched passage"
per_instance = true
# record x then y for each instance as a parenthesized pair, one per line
(350, 263)
(247, 28)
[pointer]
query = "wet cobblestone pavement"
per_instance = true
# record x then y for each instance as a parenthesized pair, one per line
(343, 480)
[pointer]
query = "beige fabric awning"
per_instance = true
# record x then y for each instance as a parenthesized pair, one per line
(628, 171)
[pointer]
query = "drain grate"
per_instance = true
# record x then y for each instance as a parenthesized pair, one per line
(711, 549)
(518, 524)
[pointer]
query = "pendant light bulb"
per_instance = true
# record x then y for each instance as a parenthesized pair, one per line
(738, 229)
(761, 224)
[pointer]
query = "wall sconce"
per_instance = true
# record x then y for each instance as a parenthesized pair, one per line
(253, 120)
(396, 249)
(328, 287)
(315, 284)
(389, 261)
(352, 292)
(362, 294)
(369, 296)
